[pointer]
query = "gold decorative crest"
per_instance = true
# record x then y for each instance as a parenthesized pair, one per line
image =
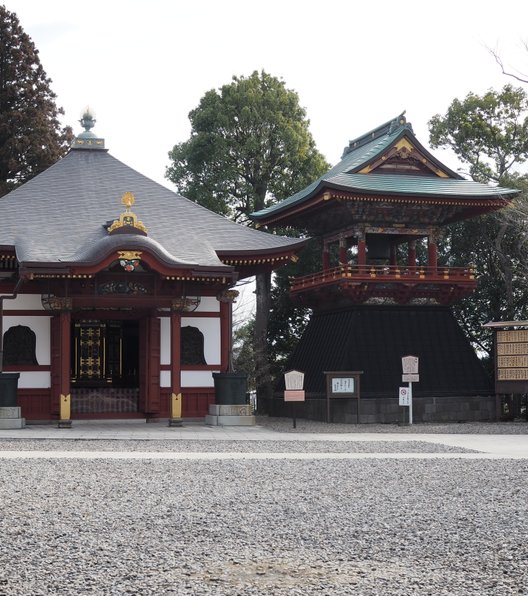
(129, 259)
(128, 218)
(228, 296)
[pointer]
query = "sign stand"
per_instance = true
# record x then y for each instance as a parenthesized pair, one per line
(343, 384)
(294, 381)
(410, 376)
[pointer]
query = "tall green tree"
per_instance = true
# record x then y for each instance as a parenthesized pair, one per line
(31, 138)
(489, 134)
(250, 146)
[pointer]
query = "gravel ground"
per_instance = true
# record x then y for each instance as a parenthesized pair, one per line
(183, 445)
(285, 425)
(370, 527)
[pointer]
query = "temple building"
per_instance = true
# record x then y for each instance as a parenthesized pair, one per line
(381, 293)
(116, 293)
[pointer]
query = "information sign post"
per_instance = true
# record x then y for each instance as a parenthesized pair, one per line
(343, 384)
(294, 382)
(410, 375)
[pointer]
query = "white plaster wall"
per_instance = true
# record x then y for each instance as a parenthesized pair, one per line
(24, 302)
(165, 378)
(41, 327)
(208, 304)
(197, 378)
(165, 350)
(210, 327)
(34, 380)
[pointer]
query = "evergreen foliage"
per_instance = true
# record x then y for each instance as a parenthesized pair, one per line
(31, 139)
(489, 134)
(250, 146)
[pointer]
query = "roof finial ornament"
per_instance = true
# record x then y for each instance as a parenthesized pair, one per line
(128, 222)
(87, 139)
(87, 120)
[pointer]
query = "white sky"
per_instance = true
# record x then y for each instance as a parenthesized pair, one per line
(142, 66)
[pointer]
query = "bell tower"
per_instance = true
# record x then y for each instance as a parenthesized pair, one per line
(382, 292)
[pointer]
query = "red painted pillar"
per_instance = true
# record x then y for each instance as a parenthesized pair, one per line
(342, 251)
(63, 373)
(326, 258)
(176, 398)
(362, 251)
(392, 260)
(65, 351)
(432, 254)
(411, 254)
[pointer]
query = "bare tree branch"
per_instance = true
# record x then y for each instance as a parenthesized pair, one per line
(521, 77)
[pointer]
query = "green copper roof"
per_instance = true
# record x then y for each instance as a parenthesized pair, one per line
(367, 148)
(402, 184)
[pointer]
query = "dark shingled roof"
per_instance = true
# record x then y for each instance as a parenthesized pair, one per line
(364, 150)
(374, 338)
(59, 216)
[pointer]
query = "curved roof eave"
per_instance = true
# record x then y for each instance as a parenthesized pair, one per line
(480, 191)
(99, 253)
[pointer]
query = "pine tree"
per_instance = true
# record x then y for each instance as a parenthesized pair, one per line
(31, 138)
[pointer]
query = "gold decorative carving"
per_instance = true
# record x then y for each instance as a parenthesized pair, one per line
(129, 254)
(185, 304)
(58, 303)
(228, 296)
(128, 218)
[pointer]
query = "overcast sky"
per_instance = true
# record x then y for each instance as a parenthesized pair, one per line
(142, 66)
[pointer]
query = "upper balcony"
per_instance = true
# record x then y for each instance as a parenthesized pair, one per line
(355, 284)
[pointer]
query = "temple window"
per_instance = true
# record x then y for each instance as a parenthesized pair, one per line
(20, 346)
(192, 346)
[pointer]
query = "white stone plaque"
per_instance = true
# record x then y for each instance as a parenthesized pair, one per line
(410, 365)
(294, 380)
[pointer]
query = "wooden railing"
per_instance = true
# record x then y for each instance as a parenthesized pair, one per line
(385, 273)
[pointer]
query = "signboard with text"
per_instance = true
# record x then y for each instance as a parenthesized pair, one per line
(340, 385)
(410, 365)
(511, 361)
(404, 396)
(294, 382)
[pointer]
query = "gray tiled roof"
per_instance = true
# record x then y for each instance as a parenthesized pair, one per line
(59, 216)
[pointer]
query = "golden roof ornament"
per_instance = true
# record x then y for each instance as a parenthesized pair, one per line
(128, 219)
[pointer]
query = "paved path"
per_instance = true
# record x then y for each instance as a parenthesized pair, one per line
(488, 446)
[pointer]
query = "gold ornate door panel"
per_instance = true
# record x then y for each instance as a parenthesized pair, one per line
(89, 358)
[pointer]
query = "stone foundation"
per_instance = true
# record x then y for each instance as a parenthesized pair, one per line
(230, 415)
(387, 410)
(10, 417)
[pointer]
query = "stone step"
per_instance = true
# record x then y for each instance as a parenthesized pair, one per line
(10, 423)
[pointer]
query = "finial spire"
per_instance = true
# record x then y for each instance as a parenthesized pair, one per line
(87, 139)
(87, 120)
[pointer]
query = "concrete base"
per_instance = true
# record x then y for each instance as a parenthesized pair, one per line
(230, 415)
(387, 410)
(10, 417)
(175, 422)
(64, 424)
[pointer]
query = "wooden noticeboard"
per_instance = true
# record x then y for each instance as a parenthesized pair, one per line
(342, 384)
(511, 361)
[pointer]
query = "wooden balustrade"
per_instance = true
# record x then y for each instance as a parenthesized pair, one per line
(384, 273)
